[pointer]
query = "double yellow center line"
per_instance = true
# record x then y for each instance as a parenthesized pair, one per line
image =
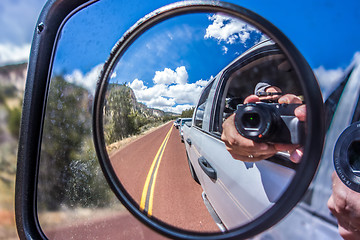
(147, 196)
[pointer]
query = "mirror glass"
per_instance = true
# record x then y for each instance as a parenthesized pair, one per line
(173, 102)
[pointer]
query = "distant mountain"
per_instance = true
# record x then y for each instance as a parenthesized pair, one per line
(142, 108)
(12, 86)
(14, 75)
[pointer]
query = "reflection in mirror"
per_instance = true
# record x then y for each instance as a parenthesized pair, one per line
(223, 76)
(73, 199)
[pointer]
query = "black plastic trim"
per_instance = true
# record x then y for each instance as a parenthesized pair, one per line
(207, 168)
(53, 16)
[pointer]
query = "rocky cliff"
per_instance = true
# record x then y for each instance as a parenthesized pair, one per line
(14, 75)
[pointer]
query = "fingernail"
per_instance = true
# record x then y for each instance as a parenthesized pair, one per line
(300, 111)
(296, 156)
(284, 100)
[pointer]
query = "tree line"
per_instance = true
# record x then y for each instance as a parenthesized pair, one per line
(70, 174)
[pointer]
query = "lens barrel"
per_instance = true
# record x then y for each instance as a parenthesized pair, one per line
(347, 157)
(256, 121)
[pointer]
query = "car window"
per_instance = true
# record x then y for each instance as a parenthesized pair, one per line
(266, 64)
(199, 115)
(240, 79)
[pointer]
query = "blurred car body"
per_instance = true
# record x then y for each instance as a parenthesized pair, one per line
(176, 123)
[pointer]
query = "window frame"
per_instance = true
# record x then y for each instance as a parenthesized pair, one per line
(206, 91)
(53, 17)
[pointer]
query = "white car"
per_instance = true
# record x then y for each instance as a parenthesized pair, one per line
(235, 191)
(176, 123)
(181, 125)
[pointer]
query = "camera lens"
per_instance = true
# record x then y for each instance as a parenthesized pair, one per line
(354, 155)
(251, 120)
(347, 156)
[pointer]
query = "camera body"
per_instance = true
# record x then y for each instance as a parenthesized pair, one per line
(269, 122)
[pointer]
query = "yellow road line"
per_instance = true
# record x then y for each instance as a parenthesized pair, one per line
(147, 196)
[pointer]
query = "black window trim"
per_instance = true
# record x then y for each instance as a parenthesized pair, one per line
(52, 18)
(208, 86)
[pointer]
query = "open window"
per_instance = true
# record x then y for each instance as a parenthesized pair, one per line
(264, 64)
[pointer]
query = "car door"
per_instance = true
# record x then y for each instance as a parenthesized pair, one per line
(196, 138)
(241, 190)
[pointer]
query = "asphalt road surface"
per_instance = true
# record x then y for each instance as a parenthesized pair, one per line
(155, 172)
(121, 226)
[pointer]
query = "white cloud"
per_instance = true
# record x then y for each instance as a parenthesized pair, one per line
(186, 93)
(87, 80)
(146, 94)
(228, 29)
(161, 102)
(170, 91)
(203, 83)
(10, 53)
(137, 85)
(177, 108)
(356, 58)
(113, 75)
(168, 76)
(263, 38)
(225, 49)
(328, 79)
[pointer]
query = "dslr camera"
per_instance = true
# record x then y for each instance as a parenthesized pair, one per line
(270, 123)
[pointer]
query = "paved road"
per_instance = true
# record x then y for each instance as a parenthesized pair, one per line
(120, 226)
(155, 172)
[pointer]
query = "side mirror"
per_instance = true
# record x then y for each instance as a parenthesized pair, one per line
(169, 61)
(265, 56)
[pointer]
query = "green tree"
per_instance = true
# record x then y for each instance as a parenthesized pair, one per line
(87, 186)
(14, 119)
(188, 113)
(69, 172)
(121, 118)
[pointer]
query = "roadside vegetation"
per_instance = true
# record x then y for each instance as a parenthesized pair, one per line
(188, 113)
(125, 117)
(69, 176)
(10, 114)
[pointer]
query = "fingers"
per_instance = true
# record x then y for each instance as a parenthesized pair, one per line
(295, 152)
(272, 89)
(296, 155)
(250, 158)
(290, 98)
(245, 147)
(251, 98)
(344, 204)
(300, 112)
(242, 148)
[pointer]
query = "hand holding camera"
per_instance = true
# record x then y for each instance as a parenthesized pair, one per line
(265, 130)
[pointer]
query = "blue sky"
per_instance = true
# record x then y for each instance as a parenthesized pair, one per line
(326, 32)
